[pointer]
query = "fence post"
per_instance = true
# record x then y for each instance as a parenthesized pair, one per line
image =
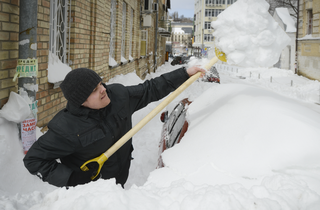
(271, 79)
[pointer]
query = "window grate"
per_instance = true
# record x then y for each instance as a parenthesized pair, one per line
(131, 32)
(59, 42)
(113, 16)
(123, 39)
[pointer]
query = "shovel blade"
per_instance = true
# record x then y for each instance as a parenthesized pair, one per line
(221, 55)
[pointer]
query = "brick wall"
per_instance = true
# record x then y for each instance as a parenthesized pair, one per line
(89, 47)
(9, 47)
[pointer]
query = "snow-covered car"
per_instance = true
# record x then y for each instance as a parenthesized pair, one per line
(175, 124)
(179, 60)
(174, 127)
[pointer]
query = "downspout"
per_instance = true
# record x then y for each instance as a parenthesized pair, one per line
(297, 36)
(156, 39)
(27, 82)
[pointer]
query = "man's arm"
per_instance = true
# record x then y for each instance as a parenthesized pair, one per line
(41, 159)
(157, 88)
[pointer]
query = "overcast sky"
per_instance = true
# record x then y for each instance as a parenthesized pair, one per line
(183, 7)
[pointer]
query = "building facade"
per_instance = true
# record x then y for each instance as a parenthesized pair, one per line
(111, 37)
(181, 38)
(308, 51)
(206, 11)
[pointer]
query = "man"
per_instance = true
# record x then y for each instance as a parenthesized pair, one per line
(96, 116)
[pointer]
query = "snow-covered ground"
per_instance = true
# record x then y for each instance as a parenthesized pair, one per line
(251, 144)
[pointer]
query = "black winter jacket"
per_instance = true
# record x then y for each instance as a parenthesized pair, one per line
(78, 134)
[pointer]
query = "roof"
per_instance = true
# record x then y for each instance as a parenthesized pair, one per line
(182, 24)
(178, 30)
(187, 30)
(285, 17)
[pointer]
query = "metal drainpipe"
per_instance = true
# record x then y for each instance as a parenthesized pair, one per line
(156, 39)
(28, 31)
(28, 34)
(297, 36)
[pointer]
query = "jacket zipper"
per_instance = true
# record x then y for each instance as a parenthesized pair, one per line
(113, 140)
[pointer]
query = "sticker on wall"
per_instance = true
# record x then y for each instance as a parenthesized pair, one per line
(28, 133)
(34, 108)
(26, 68)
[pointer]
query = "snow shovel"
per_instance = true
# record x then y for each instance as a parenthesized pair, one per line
(104, 156)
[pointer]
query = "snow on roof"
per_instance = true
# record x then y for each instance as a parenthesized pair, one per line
(177, 30)
(284, 15)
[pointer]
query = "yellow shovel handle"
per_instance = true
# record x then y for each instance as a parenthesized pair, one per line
(104, 156)
(100, 160)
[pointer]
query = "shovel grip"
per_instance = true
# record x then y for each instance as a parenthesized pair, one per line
(100, 160)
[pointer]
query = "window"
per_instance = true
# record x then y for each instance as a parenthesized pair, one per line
(212, 12)
(131, 33)
(310, 21)
(59, 37)
(231, 1)
(144, 42)
(113, 16)
(208, 38)
(123, 38)
(207, 25)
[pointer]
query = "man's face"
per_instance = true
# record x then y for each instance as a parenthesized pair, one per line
(98, 99)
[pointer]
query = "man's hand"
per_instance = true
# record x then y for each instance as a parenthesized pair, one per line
(83, 177)
(195, 69)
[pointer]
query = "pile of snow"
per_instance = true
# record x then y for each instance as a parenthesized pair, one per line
(246, 133)
(248, 35)
(57, 70)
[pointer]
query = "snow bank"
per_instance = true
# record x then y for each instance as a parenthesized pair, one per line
(230, 158)
(247, 133)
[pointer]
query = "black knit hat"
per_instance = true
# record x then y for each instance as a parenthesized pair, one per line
(79, 84)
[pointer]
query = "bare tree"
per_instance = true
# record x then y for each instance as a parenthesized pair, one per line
(292, 5)
(175, 15)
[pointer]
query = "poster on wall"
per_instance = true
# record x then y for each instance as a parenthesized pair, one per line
(28, 133)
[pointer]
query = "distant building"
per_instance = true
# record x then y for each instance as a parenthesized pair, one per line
(309, 39)
(181, 37)
(206, 11)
